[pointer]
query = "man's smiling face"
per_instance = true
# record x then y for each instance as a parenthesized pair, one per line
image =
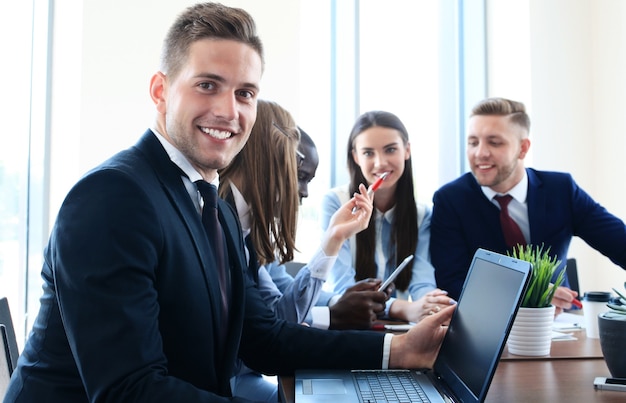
(208, 109)
(496, 148)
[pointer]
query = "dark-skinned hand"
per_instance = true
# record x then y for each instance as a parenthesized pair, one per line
(359, 306)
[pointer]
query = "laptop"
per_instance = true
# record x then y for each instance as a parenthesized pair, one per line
(469, 354)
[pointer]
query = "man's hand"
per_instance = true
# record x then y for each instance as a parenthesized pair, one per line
(419, 347)
(562, 299)
(359, 306)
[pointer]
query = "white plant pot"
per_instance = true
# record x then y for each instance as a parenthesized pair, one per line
(531, 333)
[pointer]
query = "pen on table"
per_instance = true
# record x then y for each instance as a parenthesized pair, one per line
(373, 187)
(378, 326)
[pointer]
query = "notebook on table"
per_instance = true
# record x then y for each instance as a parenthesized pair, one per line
(469, 354)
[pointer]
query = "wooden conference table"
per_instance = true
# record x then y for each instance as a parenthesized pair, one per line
(566, 375)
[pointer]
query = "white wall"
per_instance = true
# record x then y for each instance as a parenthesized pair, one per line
(572, 55)
(104, 55)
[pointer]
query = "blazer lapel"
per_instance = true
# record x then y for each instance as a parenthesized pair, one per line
(487, 219)
(236, 255)
(536, 205)
(253, 266)
(170, 178)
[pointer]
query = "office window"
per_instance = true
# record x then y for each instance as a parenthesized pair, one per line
(16, 31)
(423, 61)
(400, 73)
(329, 61)
(23, 36)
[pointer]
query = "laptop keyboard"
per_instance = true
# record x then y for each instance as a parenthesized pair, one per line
(389, 387)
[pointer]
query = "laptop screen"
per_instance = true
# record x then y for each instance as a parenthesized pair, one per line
(477, 333)
(470, 351)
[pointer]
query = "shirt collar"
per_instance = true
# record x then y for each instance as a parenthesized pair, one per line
(181, 161)
(519, 192)
(387, 215)
(243, 209)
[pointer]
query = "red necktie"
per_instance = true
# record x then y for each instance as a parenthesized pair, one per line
(215, 233)
(512, 233)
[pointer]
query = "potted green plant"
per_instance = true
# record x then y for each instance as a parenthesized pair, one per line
(541, 287)
(531, 333)
(612, 331)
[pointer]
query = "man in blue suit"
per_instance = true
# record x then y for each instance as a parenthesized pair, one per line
(549, 207)
(133, 309)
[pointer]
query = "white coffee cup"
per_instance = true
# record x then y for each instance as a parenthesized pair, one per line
(594, 303)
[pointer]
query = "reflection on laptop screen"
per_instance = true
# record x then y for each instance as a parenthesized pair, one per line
(469, 356)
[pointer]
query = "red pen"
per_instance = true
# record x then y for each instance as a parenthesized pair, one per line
(374, 187)
(377, 184)
(378, 326)
(577, 303)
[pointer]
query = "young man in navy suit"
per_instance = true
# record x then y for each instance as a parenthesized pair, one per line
(549, 207)
(132, 307)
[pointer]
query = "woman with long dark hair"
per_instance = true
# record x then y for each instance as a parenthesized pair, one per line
(399, 227)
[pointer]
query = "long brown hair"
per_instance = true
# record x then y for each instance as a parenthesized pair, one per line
(404, 231)
(266, 174)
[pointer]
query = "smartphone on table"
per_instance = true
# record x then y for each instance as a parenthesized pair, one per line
(605, 383)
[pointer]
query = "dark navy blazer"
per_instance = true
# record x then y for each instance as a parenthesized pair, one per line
(130, 305)
(464, 220)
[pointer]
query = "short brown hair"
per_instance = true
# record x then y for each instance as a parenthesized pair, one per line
(516, 111)
(206, 21)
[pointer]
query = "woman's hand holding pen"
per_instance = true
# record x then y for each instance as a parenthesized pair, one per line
(343, 224)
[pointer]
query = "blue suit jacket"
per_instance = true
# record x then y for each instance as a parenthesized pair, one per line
(464, 220)
(130, 308)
